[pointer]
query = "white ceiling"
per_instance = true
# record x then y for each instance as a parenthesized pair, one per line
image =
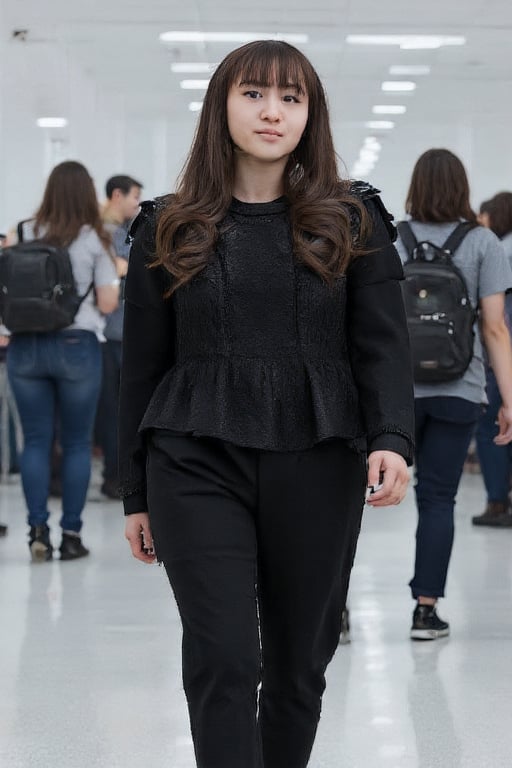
(116, 43)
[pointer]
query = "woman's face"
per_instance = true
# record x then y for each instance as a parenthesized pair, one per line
(266, 122)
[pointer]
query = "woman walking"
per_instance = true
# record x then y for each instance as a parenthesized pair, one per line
(265, 352)
(57, 374)
(447, 412)
(495, 460)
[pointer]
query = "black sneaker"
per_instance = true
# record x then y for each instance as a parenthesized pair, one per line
(71, 547)
(426, 624)
(345, 627)
(39, 543)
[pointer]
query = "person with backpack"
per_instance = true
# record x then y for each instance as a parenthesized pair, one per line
(496, 461)
(56, 286)
(455, 274)
(265, 352)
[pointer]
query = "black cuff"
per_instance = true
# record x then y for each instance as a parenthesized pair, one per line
(134, 503)
(390, 441)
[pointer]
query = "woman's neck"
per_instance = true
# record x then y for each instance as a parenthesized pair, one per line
(255, 182)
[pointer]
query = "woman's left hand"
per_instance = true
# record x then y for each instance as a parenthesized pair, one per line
(388, 470)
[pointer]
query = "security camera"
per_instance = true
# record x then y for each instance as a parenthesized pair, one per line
(20, 34)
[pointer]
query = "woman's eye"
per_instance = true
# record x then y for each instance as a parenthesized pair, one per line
(290, 98)
(253, 94)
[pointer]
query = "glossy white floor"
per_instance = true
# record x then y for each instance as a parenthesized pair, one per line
(90, 667)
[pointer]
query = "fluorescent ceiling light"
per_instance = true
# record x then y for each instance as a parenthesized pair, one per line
(195, 106)
(229, 37)
(52, 122)
(398, 86)
(194, 85)
(372, 142)
(380, 125)
(412, 69)
(194, 67)
(389, 109)
(407, 42)
(368, 155)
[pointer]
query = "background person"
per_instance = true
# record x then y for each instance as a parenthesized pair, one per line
(121, 207)
(60, 372)
(496, 460)
(446, 413)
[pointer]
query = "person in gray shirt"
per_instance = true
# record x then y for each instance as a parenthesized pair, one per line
(446, 413)
(121, 207)
(496, 461)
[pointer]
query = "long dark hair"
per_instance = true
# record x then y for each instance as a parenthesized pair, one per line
(69, 202)
(499, 210)
(318, 200)
(439, 189)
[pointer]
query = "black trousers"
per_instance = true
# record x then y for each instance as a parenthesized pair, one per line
(258, 548)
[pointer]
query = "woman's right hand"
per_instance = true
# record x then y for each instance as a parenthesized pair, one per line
(138, 533)
(504, 422)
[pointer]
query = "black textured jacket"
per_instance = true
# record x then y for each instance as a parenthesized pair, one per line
(257, 350)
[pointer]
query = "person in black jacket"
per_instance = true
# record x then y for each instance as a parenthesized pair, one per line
(265, 356)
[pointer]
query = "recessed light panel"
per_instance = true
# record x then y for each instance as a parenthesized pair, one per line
(389, 109)
(405, 70)
(398, 86)
(52, 122)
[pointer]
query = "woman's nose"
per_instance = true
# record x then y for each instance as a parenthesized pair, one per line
(271, 109)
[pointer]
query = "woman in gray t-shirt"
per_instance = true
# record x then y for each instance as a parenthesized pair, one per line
(496, 461)
(446, 412)
(57, 375)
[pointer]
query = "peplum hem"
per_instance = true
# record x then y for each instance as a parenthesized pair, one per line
(283, 404)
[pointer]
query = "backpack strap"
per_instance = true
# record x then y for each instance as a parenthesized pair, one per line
(407, 236)
(457, 236)
(19, 229)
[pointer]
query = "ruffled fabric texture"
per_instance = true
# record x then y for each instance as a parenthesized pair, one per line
(266, 404)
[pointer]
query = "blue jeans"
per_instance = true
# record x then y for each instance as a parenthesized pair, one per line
(495, 461)
(444, 427)
(55, 373)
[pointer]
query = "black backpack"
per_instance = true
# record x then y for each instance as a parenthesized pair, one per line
(440, 317)
(37, 289)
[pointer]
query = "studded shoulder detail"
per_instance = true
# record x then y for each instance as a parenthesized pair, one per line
(148, 213)
(363, 190)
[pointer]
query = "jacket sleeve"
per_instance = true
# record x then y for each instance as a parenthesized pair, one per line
(147, 353)
(379, 340)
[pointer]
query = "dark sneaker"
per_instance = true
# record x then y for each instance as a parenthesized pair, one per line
(110, 489)
(71, 547)
(345, 627)
(426, 624)
(496, 514)
(39, 543)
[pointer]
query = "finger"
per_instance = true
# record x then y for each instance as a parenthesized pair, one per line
(136, 542)
(374, 470)
(393, 496)
(388, 482)
(504, 435)
(147, 537)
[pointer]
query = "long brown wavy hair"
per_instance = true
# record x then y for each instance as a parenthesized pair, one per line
(319, 201)
(69, 202)
(439, 189)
